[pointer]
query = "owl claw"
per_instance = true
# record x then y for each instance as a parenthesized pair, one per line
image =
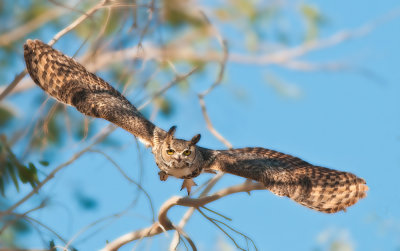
(188, 183)
(163, 175)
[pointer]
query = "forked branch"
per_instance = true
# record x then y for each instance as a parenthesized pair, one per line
(164, 223)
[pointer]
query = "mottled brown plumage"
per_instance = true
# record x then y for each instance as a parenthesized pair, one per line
(69, 82)
(316, 187)
(319, 188)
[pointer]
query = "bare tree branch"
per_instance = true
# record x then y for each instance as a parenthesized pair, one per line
(168, 86)
(61, 33)
(19, 32)
(76, 156)
(164, 224)
(190, 211)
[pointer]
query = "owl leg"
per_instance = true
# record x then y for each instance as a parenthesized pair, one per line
(188, 183)
(163, 175)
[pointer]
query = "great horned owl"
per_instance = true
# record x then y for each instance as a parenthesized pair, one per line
(318, 188)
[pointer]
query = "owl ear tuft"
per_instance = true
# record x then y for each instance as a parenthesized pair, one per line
(195, 139)
(170, 133)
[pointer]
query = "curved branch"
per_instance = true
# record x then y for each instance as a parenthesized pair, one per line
(164, 223)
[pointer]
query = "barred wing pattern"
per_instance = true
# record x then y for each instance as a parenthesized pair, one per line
(319, 188)
(69, 82)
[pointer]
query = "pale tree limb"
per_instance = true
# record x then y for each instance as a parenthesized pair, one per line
(286, 57)
(223, 43)
(190, 211)
(281, 57)
(289, 62)
(164, 224)
(78, 21)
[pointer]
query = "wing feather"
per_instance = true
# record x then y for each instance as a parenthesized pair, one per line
(316, 187)
(69, 82)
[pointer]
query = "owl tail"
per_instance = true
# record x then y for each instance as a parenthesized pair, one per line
(320, 188)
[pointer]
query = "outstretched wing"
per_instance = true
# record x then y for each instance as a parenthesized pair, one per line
(69, 82)
(316, 187)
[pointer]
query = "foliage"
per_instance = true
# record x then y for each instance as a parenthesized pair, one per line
(181, 37)
(11, 167)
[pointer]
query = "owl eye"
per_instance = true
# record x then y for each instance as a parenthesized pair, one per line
(187, 152)
(170, 151)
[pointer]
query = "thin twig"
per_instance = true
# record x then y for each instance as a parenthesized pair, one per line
(77, 21)
(128, 178)
(164, 224)
(220, 228)
(176, 80)
(223, 43)
(19, 216)
(17, 33)
(190, 211)
(53, 173)
(61, 33)
(11, 86)
(184, 234)
(28, 218)
(209, 125)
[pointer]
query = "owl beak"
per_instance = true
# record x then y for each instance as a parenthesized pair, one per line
(179, 159)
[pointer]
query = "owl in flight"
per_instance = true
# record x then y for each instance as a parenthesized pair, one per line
(319, 188)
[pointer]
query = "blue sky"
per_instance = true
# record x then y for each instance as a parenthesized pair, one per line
(343, 120)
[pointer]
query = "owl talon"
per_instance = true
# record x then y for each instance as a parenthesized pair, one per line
(188, 183)
(163, 175)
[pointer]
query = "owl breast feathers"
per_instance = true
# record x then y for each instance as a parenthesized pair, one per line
(319, 188)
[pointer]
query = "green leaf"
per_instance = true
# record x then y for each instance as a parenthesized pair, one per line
(21, 226)
(32, 167)
(52, 245)
(44, 162)
(176, 13)
(54, 135)
(5, 115)
(33, 178)
(314, 20)
(13, 176)
(165, 106)
(2, 187)
(85, 201)
(23, 174)
(311, 12)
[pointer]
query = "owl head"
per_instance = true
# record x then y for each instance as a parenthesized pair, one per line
(179, 153)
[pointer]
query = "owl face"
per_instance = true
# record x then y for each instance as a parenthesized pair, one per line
(178, 153)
